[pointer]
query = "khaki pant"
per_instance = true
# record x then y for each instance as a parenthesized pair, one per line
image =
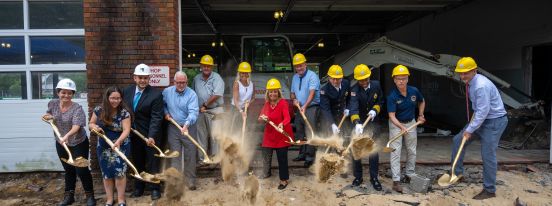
(205, 123)
(410, 140)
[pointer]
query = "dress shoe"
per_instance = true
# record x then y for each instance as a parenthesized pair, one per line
(484, 195)
(397, 186)
(357, 182)
(155, 194)
(137, 193)
(68, 198)
(376, 184)
(282, 186)
(299, 158)
(308, 163)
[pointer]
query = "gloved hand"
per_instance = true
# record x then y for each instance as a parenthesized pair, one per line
(373, 114)
(358, 129)
(346, 112)
(335, 130)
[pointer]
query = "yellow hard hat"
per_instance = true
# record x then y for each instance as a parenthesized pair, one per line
(465, 64)
(244, 67)
(299, 59)
(362, 72)
(273, 84)
(400, 70)
(207, 60)
(335, 71)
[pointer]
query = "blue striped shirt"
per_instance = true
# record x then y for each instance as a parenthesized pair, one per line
(486, 101)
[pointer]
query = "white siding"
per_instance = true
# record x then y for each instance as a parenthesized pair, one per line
(27, 143)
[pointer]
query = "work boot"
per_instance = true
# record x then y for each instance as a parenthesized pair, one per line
(155, 194)
(484, 195)
(90, 200)
(397, 186)
(68, 198)
(376, 184)
(405, 179)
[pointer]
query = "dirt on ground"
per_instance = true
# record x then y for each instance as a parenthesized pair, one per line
(513, 182)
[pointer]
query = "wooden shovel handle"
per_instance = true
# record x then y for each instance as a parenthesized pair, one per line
(123, 156)
(58, 135)
(190, 138)
(403, 132)
(457, 155)
(305, 119)
(146, 140)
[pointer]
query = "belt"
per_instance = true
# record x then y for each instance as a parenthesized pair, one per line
(405, 121)
(498, 117)
(313, 105)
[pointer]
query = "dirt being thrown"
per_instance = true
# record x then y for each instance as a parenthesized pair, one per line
(334, 142)
(250, 189)
(362, 146)
(174, 186)
(328, 165)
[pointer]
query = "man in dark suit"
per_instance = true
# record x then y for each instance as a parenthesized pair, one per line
(146, 103)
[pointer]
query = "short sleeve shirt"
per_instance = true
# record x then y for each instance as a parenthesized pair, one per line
(404, 106)
(65, 120)
(301, 86)
(214, 85)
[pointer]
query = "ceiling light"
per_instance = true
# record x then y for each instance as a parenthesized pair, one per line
(213, 44)
(221, 43)
(193, 54)
(321, 44)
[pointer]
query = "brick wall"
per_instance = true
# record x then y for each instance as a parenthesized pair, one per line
(120, 34)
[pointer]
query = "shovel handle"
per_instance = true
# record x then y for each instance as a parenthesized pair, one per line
(305, 119)
(123, 156)
(244, 122)
(280, 131)
(58, 135)
(366, 121)
(191, 139)
(146, 140)
(403, 132)
(457, 156)
(341, 122)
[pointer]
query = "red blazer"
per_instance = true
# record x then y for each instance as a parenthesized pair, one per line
(280, 114)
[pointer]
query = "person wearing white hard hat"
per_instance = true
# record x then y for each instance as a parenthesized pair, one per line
(70, 119)
(146, 103)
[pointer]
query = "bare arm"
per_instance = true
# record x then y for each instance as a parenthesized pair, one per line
(395, 121)
(421, 108)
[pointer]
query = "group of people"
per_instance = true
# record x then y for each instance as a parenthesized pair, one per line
(143, 108)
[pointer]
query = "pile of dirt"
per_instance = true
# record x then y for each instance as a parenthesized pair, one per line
(362, 146)
(327, 165)
(250, 189)
(174, 187)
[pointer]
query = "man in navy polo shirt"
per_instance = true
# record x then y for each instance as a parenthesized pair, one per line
(401, 105)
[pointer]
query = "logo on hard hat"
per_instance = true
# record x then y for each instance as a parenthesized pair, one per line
(337, 72)
(361, 72)
(401, 69)
(375, 96)
(142, 68)
(461, 65)
(70, 84)
(272, 83)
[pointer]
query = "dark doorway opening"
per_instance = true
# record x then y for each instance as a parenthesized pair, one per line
(542, 75)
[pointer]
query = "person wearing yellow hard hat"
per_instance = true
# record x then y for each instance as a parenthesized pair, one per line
(70, 119)
(488, 122)
(305, 91)
(276, 110)
(333, 99)
(402, 102)
(366, 102)
(242, 95)
(209, 87)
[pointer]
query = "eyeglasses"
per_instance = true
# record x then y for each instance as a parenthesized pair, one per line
(184, 82)
(114, 98)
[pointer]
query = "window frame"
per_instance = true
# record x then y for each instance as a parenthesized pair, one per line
(27, 33)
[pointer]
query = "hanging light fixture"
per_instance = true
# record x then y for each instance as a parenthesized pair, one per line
(221, 44)
(213, 44)
(193, 54)
(320, 44)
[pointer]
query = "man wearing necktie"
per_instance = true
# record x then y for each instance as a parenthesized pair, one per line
(147, 106)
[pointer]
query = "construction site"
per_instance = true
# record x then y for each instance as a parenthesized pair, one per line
(96, 49)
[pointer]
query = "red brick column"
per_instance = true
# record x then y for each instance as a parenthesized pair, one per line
(120, 34)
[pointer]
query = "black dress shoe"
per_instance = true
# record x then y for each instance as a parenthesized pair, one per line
(376, 184)
(357, 182)
(137, 193)
(155, 194)
(282, 186)
(68, 198)
(308, 163)
(299, 158)
(484, 195)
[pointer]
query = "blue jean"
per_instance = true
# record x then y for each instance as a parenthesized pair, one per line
(489, 132)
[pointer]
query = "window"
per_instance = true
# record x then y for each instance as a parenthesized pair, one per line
(56, 14)
(268, 54)
(44, 84)
(13, 85)
(12, 50)
(11, 14)
(57, 50)
(41, 42)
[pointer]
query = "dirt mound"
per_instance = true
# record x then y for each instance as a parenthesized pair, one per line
(174, 187)
(334, 142)
(233, 159)
(250, 189)
(328, 165)
(362, 146)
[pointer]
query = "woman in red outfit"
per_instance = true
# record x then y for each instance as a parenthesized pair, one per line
(275, 110)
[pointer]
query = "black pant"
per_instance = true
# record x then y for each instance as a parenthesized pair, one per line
(144, 160)
(281, 155)
(302, 130)
(71, 172)
(374, 166)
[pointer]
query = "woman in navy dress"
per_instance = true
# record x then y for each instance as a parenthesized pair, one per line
(113, 119)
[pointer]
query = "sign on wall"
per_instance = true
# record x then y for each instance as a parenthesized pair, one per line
(159, 76)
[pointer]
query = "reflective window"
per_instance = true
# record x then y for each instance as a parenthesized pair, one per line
(57, 50)
(55, 14)
(12, 50)
(11, 14)
(268, 54)
(13, 85)
(44, 84)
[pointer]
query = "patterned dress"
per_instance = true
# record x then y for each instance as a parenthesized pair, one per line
(111, 164)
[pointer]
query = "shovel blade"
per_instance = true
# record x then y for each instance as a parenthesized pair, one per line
(388, 149)
(146, 177)
(444, 180)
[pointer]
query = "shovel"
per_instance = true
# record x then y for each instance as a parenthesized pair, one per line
(338, 127)
(346, 151)
(305, 119)
(79, 161)
(166, 154)
(446, 179)
(144, 176)
(244, 122)
(389, 149)
(206, 159)
(281, 131)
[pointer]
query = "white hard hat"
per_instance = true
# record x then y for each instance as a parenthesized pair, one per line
(66, 84)
(142, 69)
